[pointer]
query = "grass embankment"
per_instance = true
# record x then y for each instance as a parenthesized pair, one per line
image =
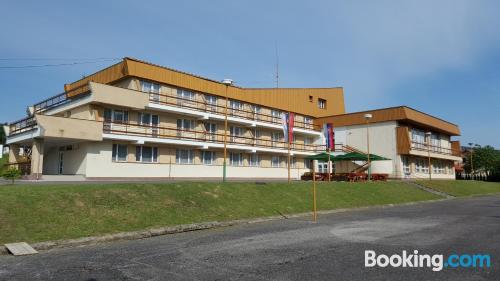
(49, 212)
(463, 187)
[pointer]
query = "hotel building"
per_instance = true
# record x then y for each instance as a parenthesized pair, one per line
(135, 119)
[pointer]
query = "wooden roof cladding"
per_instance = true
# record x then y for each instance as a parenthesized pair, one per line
(401, 113)
(287, 99)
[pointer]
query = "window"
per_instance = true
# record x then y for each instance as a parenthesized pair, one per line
(311, 98)
(406, 165)
(112, 115)
(115, 115)
(308, 140)
(120, 116)
(208, 157)
(283, 161)
(293, 162)
(254, 160)
(185, 127)
(236, 107)
(108, 115)
(438, 167)
(148, 119)
(235, 133)
(235, 159)
(275, 161)
(185, 124)
(322, 167)
(435, 142)
(258, 136)
(256, 112)
(184, 156)
(308, 121)
(421, 166)
(211, 130)
(322, 103)
(307, 163)
(184, 97)
(276, 114)
(418, 138)
(146, 154)
(152, 88)
(211, 103)
(276, 138)
(119, 152)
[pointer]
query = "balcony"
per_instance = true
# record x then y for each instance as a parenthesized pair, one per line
(203, 138)
(418, 146)
(21, 126)
(54, 127)
(405, 146)
(206, 107)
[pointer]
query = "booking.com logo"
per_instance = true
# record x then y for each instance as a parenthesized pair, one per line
(436, 262)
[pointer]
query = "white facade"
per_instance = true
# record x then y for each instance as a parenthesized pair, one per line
(383, 142)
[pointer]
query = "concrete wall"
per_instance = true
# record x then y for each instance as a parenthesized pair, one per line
(382, 142)
(69, 128)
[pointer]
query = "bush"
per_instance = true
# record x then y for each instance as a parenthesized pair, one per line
(11, 174)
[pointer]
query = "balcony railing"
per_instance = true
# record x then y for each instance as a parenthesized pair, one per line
(203, 136)
(51, 103)
(23, 125)
(54, 101)
(434, 149)
(204, 106)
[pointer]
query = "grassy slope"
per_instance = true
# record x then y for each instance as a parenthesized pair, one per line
(463, 187)
(48, 212)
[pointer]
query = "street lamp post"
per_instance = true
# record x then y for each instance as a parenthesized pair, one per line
(227, 82)
(428, 135)
(367, 117)
(471, 162)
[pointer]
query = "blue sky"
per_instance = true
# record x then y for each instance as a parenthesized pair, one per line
(440, 57)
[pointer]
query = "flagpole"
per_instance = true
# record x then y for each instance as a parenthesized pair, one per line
(289, 179)
(314, 192)
(288, 137)
(329, 166)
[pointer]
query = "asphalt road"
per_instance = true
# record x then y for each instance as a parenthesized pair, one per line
(294, 249)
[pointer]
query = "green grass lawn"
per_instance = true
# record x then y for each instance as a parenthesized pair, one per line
(463, 187)
(48, 212)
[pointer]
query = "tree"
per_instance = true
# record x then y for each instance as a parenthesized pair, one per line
(2, 135)
(11, 174)
(484, 159)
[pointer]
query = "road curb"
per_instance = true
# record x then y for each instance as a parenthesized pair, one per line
(152, 232)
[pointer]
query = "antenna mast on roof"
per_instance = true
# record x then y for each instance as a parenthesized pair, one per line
(277, 77)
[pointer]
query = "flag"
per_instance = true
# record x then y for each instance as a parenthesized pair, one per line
(329, 135)
(284, 123)
(287, 120)
(291, 120)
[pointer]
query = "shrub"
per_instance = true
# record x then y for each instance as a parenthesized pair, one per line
(11, 174)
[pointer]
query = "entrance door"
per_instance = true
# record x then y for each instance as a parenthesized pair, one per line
(60, 163)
